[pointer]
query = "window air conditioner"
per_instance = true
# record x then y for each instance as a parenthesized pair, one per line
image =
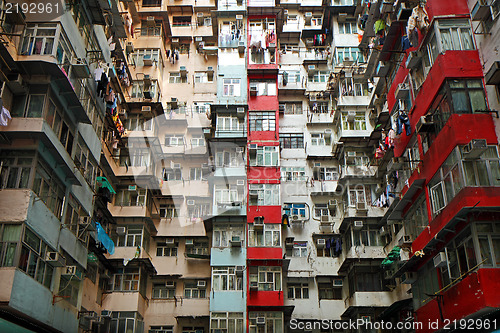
(146, 109)
(361, 206)
(202, 284)
(425, 124)
(235, 241)
(239, 270)
(440, 260)
(409, 277)
(254, 285)
(358, 224)
(170, 241)
(351, 115)
(338, 282)
(147, 60)
(474, 148)
(120, 231)
(320, 243)
(189, 242)
(170, 284)
(55, 259)
(190, 202)
(240, 182)
(260, 320)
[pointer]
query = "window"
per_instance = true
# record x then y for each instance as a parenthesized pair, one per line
(262, 121)
(166, 250)
(84, 160)
(328, 291)
(274, 322)
(265, 156)
(149, 91)
(129, 322)
(200, 246)
(16, 168)
(291, 107)
(264, 195)
(298, 290)
(356, 124)
(417, 219)
(68, 289)
(153, 55)
(269, 236)
(348, 28)
(227, 195)
(32, 257)
(74, 213)
(266, 88)
(295, 209)
(324, 173)
(151, 31)
(320, 139)
(231, 87)
(197, 140)
(467, 95)
(292, 77)
(335, 248)
(191, 329)
(197, 174)
(126, 279)
(191, 290)
(39, 39)
(349, 87)
(225, 278)
(457, 172)
(292, 140)
(138, 123)
(176, 77)
(151, 3)
(198, 210)
(203, 77)
(222, 235)
(135, 236)
(321, 210)
(181, 21)
(267, 277)
(226, 322)
(368, 236)
(229, 158)
(319, 77)
(316, 20)
(171, 174)
(228, 124)
(161, 329)
(348, 54)
(359, 193)
(455, 34)
(319, 107)
(357, 158)
(366, 278)
(48, 188)
(128, 197)
(10, 234)
(168, 211)
(293, 174)
(161, 291)
(299, 250)
(201, 107)
(174, 140)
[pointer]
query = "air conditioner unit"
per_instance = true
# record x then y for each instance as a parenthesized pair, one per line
(253, 90)
(120, 231)
(396, 163)
(241, 46)
(254, 285)
(129, 48)
(440, 260)
(239, 17)
(16, 84)
(320, 243)
(481, 11)
(240, 182)
(414, 59)
(474, 148)
(311, 68)
(55, 259)
(296, 218)
(198, 39)
(351, 115)
(176, 166)
(170, 241)
(388, 274)
(200, 18)
(190, 202)
(105, 314)
(253, 193)
(358, 224)
(175, 40)
(147, 60)
(332, 204)
(240, 150)
(146, 109)
(72, 271)
(151, 21)
(239, 270)
(328, 131)
(409, 277)
(308, 17)
(235, 241)
(405, 240)
(240, 111)
(309, 41)
(351, 154)
(170, 284)
(361, 206)
(285, 12)
(210, 69)
(402, 91)
(325, 219)
(312, 98)
(260, 320)
(106, 274)
(317, 164)
(201, 284)
(282, 108)
(253, 146)
(425, 124)
(289, 242)
(338, 282)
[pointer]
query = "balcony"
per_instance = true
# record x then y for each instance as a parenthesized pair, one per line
(179, 188)
(319, 117)
(125, 301)
(323, 187)
(227, 41)
(369, 299)
(230, 134)
(230, 208)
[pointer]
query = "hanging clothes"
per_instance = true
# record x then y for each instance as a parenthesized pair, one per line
(403, 120)
(379, 26)
(5, 117)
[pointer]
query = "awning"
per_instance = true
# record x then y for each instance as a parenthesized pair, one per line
(103, 237)
(104, 183)
(396, 214)
(396, 306)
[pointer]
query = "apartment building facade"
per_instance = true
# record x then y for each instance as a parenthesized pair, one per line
(229, 166)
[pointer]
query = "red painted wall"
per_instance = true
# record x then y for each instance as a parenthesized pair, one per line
(264, 175)
(440, 7)
(265, 298)
(451, 64)
(475, 292)
(263, 253)
(272, 214)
